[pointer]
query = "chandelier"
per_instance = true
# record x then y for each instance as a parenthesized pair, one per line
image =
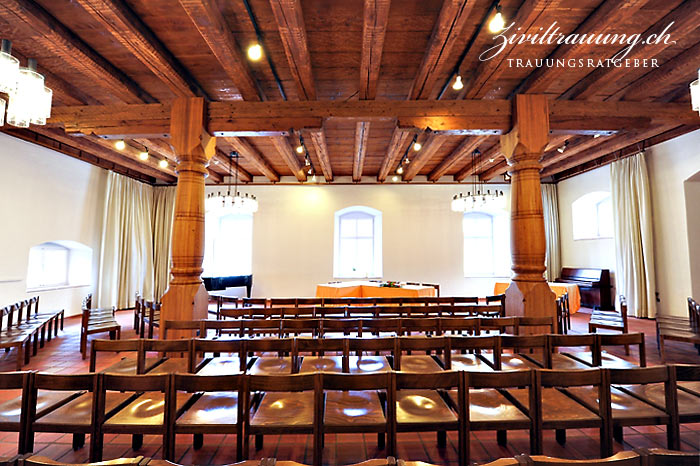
(29, 100)
(695, 93)
(478, 197)
(223, 204)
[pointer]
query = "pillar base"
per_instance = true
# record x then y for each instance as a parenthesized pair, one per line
(531, 299)
(184, 302)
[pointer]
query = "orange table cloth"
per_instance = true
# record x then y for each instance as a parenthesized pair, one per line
(365, 289)
(558, 288)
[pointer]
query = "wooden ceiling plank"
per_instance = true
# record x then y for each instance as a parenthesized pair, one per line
(684, 18)
(318, 139)
(290, 23)
(252, 155)
(375, 19)
(465, 149)
(608, 14)
(358, 162)
(284, 148)
(430, 146)
(212, 26)
(454, 14)
(397, 145)
(76, 53)
(127, 28)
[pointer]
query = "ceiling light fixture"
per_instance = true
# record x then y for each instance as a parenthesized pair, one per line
(143, 155)
(224, 204)
(458, 84)
(497, 23)
(563, 148)
(29, 99)
(120, 144)
(394, 178)
(300, 149)
(417, 146)
(478, 198)
(399, 170)
(313, 178)
(255, 52)
(163, 164)
(596, 135)
(9, 68)
(695, 93)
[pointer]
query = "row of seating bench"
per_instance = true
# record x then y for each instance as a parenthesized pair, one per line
(25, 329)
(386, 403)
(679, 328)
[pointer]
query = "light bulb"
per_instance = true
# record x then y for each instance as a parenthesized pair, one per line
(497, 23)
(394, 178)
(561, 149)
(399, 170)
(120, 144)
(255, 52)
(596, 135)
(163, 164)
(407, 161)
(300, 149)
(143, 155)
(490, 160)
(417, 146)
(458, 84)
(313, 178)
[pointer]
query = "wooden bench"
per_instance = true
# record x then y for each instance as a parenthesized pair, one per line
(679, 329)
(97, 321)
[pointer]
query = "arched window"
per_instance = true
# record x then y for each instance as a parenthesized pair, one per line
(357, 251)
(57, 264)
(228, 246)
(486, 244)
(592, 216)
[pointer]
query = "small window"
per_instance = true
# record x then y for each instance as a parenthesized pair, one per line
(228, 249)
(358, 243)
(592, 216)
(58, 264)
(486, 244)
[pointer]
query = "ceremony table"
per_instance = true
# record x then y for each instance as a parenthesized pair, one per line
(367, 289)
(558, 288)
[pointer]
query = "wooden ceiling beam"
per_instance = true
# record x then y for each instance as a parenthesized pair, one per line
(290, 24)
(685, 19)
(499, 168)
(399, 138)
(127, 28)
(252, 155)
(133, 153)
(375, 19)
(284, 148)
(54, 36)
(318, 139)
(608, 14)
(222, 162)
(430, 146)
(358, 160)
(210, 23)
(454, 14)
(465, 149)
(553, 156)
(488, 71)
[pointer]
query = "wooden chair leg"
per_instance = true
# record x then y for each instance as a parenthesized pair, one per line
(197, 441)
(560, 435)
(259, 440)
(27, 351)
(662, 351)
(627, 350)
(502, 437)
(441, 439)
(381, 440)
(136, 441)
(20, 356)
(617, 434)
(78, 441)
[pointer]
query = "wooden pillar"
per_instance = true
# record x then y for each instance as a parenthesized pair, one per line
(186, 297)
(528, 294)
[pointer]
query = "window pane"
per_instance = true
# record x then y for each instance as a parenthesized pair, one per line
(357, 245)
(605, 219)
(228, 245)
(365, 227)
(477, 225)
(478, 256)
(348, 227)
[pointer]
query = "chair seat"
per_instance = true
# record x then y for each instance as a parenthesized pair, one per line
(46, 402)
(608, 361)
(488, 406)
(688, 405)
(270, 365)
(561, 362)
(147, 409)
(212, 409)
(557, 407)
(624, 406)
(285, 409)
(127, 366)
(321, 364)
(229, 365)
(512, 362)
(422, 407)
(171, 366)
(419, 363)
(368, 364)
(693, 387)
(469, 363)
(79, 411)
(350, 408)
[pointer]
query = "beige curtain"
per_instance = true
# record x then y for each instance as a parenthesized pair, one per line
(162, 224)
(550, 205)
(634, 242)
(126, 257)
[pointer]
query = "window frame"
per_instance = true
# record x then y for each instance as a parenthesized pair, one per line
(587, 206)
(377, 260)
(493, 216)
(72, 249)
(219, 218)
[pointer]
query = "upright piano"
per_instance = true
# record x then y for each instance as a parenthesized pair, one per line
(594, 285)
(221, 283)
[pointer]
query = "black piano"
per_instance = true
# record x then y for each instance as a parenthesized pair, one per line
(594, 285)
(221, 283)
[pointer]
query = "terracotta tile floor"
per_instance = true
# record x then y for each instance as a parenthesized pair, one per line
(62, 355)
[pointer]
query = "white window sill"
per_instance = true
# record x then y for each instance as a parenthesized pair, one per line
(54, 288)
(593, 238)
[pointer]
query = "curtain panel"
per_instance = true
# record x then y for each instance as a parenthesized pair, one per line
(634, 242)
(550, 205)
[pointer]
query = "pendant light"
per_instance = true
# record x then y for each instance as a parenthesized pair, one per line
(224, 204)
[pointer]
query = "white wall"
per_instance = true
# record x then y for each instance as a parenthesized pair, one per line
(593, 253)
(293, 236)
(45, 196)
(670, 164)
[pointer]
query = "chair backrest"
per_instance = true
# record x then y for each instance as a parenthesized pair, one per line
(295, 327)
(99, 345)
(499, 299)
(499, 324)
(647, 375)
(346, 326)
(476, 344)
(425, 326)
(195, 326)
(264, 345)
(465, 300)
(374, 326)
(275, 302)
(382, 344)
(589, 340)
(622, 339)
(429, 345)
(547, 378)
(520, 343)
(257, 327)
(549, 322)
(262, 302)
(306, 302)
(200, 347)
(183, 347)
(460, 325)
(76, 383)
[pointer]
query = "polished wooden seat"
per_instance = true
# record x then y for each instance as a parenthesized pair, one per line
(421, 363)
(623, 458)
(560, 361)
(35, 460)
(465, 353)
(318, 360)
(98, 321)
(14, 413)
(655, 394)
(528, 345)
(270, 365)
(227, 357)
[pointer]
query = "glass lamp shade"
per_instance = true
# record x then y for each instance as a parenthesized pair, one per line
(695, 93)
(9, 73)
(43, 111)
(28, 101)
(2, 111)
(219, 204)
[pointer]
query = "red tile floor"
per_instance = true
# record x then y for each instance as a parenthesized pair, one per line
(62, 355)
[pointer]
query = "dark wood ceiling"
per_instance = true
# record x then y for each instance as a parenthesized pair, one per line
(147, 51)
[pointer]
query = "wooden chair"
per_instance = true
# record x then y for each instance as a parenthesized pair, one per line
(353, 404)
(14, 413)
(421, 406)
(303, 327)
(178, 352)
(360, 363)
(562, 361)
(420, 363)
(459, 326)
(521, 346)
(271, 365)
(464, 353)
(150, 318)
(319, 361)
(610, 361)
(132, 364)
(43, 461)
(679, 329)
(216, 408)
(610, 320)
(14, 338)
(289, 404)
(234, 361)
(499, 299)
(98, 321)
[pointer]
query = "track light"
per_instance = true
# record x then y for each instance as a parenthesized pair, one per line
(458, 84)
(399, 170)
(120, 144)
(394, 178)
(300, 149)
(163, 164)
(417, 146)
(408, 161)
(596, 135)
(310, 171)
(490, 160)
(255, 52)
(143, 155)
(497, 23)
(313, 178)
(563, 148)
